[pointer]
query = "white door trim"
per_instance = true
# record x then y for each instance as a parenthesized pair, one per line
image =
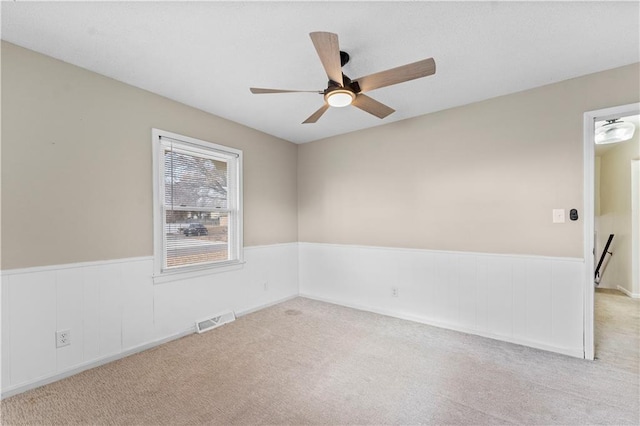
(590, 117)
(635, 227)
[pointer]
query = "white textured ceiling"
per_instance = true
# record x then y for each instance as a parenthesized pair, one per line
(208, 54)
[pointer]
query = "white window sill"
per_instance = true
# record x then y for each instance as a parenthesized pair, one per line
(170, 276)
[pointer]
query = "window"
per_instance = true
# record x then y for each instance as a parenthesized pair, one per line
(197, 204)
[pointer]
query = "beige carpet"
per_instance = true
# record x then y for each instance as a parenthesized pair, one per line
(307, 362)
(617, 329)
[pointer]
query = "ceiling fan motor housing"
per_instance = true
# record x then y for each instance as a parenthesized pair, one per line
(347, 89)
(346, 83)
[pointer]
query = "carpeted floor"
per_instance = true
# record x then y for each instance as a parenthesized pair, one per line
(617, 329)
(308, 362)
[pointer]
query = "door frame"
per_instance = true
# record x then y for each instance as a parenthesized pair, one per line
(635, 228)
(590, 117)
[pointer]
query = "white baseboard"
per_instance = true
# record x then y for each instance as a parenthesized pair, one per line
(14, 390)
(575, 352)
(628, 293)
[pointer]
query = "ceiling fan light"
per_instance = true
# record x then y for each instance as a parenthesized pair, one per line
(340, 98)
(614, 131)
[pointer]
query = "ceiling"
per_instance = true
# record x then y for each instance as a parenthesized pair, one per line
(208, 54)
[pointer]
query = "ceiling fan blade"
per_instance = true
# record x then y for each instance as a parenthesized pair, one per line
(316, 115)
(260, 91)
(372, 106)
(326, 45)
(397, 75)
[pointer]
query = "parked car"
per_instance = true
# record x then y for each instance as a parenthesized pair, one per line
(195, 229)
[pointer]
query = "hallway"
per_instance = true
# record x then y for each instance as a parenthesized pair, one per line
(617, 330)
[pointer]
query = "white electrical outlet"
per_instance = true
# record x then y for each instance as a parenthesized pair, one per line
(394, 291)
(63, 338)
(266, 286)
(558, 215)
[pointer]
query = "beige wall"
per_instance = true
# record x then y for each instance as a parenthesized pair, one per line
(615, 212)
(482, 177)
(76, 165)
(76, 169)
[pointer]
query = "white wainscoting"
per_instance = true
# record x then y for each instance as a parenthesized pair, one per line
(114, 309)
(530, 300)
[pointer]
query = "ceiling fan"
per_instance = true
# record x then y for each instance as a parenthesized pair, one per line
(342, 91)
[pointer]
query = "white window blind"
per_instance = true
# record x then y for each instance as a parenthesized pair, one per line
(199, 203)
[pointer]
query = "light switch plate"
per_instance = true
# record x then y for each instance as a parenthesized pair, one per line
(558, 215)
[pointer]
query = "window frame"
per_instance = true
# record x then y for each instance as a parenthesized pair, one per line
(233, 156)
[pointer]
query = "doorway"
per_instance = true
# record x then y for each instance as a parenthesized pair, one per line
(590, 119)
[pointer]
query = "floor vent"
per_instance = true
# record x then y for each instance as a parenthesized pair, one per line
(213, 322)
